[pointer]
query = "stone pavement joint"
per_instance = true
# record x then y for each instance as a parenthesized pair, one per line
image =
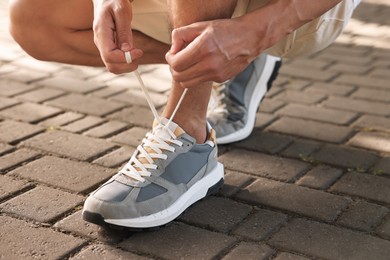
(312, 181)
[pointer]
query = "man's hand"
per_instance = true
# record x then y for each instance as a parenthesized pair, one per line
(113, 36)
(210, 51)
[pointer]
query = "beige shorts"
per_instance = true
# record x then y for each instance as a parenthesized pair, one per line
(151, 18)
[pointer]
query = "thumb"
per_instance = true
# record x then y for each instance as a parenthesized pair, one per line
(182, 36)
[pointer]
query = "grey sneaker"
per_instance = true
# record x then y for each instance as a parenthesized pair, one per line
(233, 106)
(166, 174)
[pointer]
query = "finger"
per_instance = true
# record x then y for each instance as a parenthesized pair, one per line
(122, 17)
(182, 36)
(121, 68)
(118, 57)
(199, 69)
(187, 57)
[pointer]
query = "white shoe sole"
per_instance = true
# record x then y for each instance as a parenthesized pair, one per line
(198, 191)
(258, 94)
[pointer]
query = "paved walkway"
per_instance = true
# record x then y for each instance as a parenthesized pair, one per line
(312, 181)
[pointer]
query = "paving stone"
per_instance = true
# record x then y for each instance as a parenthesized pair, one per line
(260, 225)
(382, 167)
(367, 186)
(29, 112)
(234, 181)
(7, 102)
(308, 73)
(12, 131)
(219, 214)
(107, 129)
(71, 145)
(329, 242)
(296, 84)
(159, 81)
(384, 229)
(71, 84)
(321, 177)
(362, 106)
(128, 81)
(132, 137)
(289, 256)
(310, 129)
(76, 225)
(37, 65)
(64, 173)
(330, 89)
(8, 186)
(300, 97)
(40, 95)
(136, 97)
(271, 105)
(42, 204)
(311, 63)
(372, 94)
(83, 124)
(263, 119)
(29, 241)
(16, 158)
(318, 113)
(185, 242)
(345, 58)
(116, 158)
(349, 68)
(380, 73)
(263, 165)
(301, 149)
(61, 120)
(137, 116)
(108, 92)
(301, 200)
(5, 148)
(374, 123)
(363, 81)
(248, 251)
(25, 75)
(362, 216)
(376, 141)
(345, 157)
(86, 104)
(11, 88)
(265, 142)
(107, 253)
(274, 91)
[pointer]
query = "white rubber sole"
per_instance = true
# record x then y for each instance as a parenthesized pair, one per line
(196, 192)
(258, 94)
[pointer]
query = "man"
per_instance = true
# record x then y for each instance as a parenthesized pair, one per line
(212, 40)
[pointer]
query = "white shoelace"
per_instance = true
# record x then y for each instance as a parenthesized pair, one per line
(217, 95)
(161, 138)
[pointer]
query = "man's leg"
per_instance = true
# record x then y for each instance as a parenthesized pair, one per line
(61, 31)
(192, 114)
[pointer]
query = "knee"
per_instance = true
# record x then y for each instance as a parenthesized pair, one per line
(27, 26)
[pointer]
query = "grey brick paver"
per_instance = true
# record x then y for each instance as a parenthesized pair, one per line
(83, 124)
(136, 97)
(362, 106)
(271, 105)
(76, 225)
(308, 73)
(71, 84)
(10, 88)
(71, 145)
(66, 174)
(263, 165)
(384, 228)
(29, 112)
(42, 204)
(311, 129)
(362, 216)
(364, 81)
(31, 241)
(7, 102)
(382, 167)
(301, 200)
(4, 148)
(107, 253)
(132, 137)
(16, 158)
(263, 120)
(318, 113)
(321, 177)
(345, 157)
(234, 181)
(40, 95)
(107, 129)
(265, 142)
(330, 89)
(372, 140)
(367, 186)
(260, 225)
(329, 242)
(86, 104)
(194, 242)
(372, 94)
(249, 251)
(137, 116)
(301, 149)
(9, 185)
(289, 256)
(300, 97)
(374, 122)
(62, 119)
(217, 213)
(116, 158)
(12, 131)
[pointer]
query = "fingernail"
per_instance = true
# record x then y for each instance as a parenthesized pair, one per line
(125, 46)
